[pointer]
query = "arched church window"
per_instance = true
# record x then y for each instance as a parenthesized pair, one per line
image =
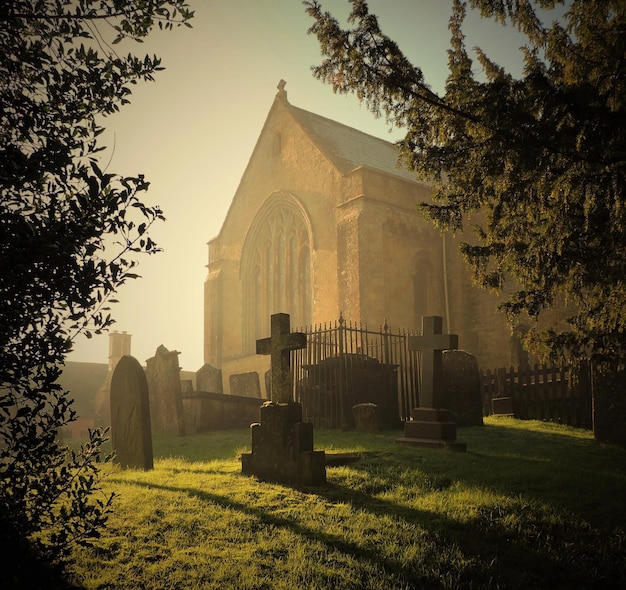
(276, 269)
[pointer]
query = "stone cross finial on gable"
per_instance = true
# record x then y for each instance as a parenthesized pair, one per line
(432, 343)
(282, 93)
(279, 346)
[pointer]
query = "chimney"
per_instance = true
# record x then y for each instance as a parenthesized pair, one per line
(119, 346)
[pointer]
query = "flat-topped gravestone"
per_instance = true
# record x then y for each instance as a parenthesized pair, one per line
(245, 384)
(209, 378)
(430, 424)
(282, 445)
(131, 433)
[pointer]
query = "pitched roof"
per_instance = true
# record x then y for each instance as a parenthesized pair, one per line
(349, 148)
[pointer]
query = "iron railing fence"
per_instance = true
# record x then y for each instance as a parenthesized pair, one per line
(346, 363)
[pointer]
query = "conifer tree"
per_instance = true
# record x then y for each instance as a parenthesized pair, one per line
(541, 158)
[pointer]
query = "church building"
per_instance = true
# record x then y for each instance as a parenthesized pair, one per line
(325, 222)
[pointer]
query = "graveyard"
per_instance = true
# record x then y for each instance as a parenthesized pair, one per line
(530, 504)
(495, 503)
(426, 453)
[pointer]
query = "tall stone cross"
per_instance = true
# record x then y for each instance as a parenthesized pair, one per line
(279, 346)
(432, 343)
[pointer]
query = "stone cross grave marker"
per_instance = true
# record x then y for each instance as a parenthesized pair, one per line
(432, 343)
(282, 445)
(279, 346)
(131, 433)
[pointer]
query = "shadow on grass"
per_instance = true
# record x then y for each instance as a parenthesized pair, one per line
(512, 546)
(490, 553)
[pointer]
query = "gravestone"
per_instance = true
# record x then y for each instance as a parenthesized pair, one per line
(461, 387)
(282, 444)
(131, 435)
(245, 384)
(267, 377)
(279, 346)
(366, 417)
(502, 405)
(209, 378)
(166, 402)
(431, 425)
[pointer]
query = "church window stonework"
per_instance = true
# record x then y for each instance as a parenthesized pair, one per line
(276, 268)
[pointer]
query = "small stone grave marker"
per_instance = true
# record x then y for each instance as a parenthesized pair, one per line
(131, 433)
(366, 417)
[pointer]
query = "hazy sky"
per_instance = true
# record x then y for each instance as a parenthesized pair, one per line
(192, 132)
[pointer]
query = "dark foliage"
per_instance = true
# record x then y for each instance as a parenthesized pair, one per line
(539, 161)
(70, 234)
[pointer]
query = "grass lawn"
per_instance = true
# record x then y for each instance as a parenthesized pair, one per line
(530, 505)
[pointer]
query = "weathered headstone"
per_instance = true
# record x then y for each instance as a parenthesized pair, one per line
(502, 405)
(431, 425)
(166, 403)
(245, 384)
(209, 378)
(282, 445)
(366, 418)
(461, 387)
(131, 434)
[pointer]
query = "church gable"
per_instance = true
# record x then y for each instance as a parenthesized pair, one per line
(314, 158)
(285, 159)
(324, 222)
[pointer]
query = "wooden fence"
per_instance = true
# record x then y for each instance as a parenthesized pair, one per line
(344, 364)
(559, 394)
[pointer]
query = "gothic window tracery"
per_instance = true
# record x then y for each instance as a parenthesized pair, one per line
(276, 270)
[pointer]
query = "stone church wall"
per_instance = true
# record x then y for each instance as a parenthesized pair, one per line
(372, 256)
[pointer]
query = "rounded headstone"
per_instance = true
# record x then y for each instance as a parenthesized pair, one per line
(131, 433)
(461, 387)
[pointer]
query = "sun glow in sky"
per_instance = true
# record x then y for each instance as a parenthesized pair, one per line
(192, 132)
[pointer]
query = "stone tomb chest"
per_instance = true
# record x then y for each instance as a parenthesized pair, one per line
(331, 387)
